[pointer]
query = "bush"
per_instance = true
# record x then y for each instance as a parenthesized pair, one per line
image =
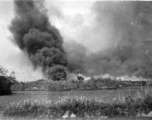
(5, 85)
(6, 81)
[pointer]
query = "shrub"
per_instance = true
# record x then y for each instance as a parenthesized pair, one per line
(5, 85)
(6, 81)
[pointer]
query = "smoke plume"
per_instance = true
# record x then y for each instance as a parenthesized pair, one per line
(114, 37)
(36, 37)
(129, 52)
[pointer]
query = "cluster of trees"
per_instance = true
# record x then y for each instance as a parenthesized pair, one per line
(6, 81)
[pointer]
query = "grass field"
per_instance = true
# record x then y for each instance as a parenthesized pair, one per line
(105, 95)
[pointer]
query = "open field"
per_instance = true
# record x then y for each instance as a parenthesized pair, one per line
(105, 95)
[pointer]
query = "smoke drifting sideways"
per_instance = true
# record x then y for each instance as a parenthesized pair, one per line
(36, 37)
(130, 50)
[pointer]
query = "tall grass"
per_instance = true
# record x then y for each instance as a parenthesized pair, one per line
(81, 107)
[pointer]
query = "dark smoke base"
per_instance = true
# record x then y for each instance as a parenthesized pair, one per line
(36, 37)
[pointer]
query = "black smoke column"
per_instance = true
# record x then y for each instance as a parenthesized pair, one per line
(37, 38)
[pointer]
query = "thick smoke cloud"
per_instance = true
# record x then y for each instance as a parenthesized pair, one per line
(130, 25)
(34, 35)
(127, 46)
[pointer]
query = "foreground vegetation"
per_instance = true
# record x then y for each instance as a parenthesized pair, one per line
(80, 107)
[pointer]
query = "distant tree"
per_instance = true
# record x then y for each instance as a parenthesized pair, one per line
(12, 77)
(3, 71)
